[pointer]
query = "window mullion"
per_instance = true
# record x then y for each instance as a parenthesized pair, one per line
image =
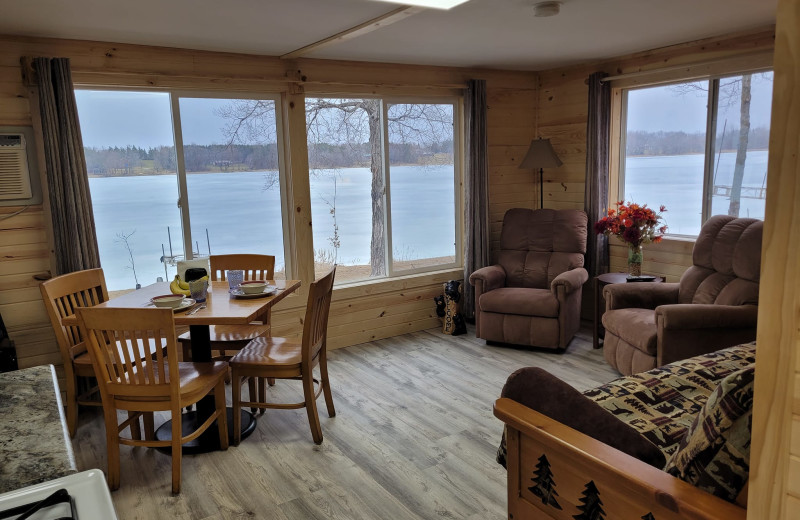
(183, 191)
(710, 146)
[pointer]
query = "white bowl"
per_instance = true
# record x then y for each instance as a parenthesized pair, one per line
(253, 286)
(167, 301)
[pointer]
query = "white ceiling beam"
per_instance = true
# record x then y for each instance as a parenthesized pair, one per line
(384, 20)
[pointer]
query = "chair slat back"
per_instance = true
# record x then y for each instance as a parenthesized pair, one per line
(315, 324)
(120, 342)
(62, 295)
(255, 267)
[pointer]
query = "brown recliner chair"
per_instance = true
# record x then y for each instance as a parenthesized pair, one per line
(533, 296)
(714, 306)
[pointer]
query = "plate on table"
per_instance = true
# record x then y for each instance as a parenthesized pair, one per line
(185, 304)
(268, 291)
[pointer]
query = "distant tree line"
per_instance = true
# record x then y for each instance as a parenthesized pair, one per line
(133, 160)
(681, 143)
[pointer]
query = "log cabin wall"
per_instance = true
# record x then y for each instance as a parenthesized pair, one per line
(563, 114)
(360, 312)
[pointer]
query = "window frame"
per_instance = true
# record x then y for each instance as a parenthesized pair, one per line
(457, 103)
(617, 160)
(183, 203)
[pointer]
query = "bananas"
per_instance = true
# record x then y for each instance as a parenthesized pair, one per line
(178, 286)
(175, 286)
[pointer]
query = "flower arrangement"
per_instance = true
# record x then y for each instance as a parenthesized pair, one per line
(635, 225)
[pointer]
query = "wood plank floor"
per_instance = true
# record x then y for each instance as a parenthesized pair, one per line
(414, 438)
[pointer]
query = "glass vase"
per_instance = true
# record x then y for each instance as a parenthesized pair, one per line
(634, 260)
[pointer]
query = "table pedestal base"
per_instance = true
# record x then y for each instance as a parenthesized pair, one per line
(209, 440)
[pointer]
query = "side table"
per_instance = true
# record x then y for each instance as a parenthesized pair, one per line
(600, 282)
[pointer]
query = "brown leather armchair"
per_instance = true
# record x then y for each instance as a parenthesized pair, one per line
(533, 295)
(714, 305)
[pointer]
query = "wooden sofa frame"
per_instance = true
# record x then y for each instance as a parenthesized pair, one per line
(557, 472)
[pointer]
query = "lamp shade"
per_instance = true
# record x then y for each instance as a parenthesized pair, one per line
(540, 155)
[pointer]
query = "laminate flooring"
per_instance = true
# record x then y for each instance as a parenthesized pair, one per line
(413, 438)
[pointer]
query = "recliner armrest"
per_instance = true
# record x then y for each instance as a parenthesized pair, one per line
(706, 316)
(570, 280)
(640, 295)
(488, 278)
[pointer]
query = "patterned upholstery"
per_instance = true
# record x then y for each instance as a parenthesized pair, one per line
(715, 453)
(663, 403)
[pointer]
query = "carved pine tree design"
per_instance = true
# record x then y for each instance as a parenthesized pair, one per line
(648, 516)
(591, 505)
(544, 485)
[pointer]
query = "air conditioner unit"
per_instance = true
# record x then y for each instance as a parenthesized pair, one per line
(19, 178)
(15, 178)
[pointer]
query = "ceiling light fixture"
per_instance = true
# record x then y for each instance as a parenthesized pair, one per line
(545, 9)
(434, 4)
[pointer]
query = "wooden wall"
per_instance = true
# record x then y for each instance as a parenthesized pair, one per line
(359, 313)
(775, 455)
(563, 114)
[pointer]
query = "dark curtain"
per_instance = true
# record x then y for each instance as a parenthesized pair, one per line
(476, 236)
(65, 166)
(596, 187)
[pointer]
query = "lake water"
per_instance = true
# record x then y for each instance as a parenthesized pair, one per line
(240, 215)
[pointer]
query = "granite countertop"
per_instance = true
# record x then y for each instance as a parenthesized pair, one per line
(34, 443)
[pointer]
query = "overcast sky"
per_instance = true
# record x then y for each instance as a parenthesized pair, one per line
(672, 109)
(114, 118)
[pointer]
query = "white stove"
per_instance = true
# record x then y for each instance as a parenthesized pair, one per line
(88, 490)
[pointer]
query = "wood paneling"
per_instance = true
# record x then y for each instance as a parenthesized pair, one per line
(774, 462)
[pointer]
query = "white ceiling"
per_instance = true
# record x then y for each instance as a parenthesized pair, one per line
(480, 33)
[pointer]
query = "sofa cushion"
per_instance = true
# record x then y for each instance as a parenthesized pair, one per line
(661, 404)
(714, 455)
(522, 301)
(636, 327)
(550, 396)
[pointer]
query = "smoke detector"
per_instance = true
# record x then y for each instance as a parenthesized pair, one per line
(545, 9)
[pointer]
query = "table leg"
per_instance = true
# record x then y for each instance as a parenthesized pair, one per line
(209, 440)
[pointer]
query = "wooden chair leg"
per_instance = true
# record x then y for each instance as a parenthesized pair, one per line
(311, 407)
(262, 391)
(112, 446)
(72, 405)
(222, 419)
(149, 426)
(177, 435)
(236, 387)
(187, 350)
(136, 430)
(271, 381)
(326, 385)
(252, 386)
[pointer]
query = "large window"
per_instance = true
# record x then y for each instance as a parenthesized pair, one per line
(383, 186)
(698, 148)
(178, 176)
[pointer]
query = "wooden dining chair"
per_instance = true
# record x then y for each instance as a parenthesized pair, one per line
(117, 339)
(62, 295)
(283, 359)
(234, 337)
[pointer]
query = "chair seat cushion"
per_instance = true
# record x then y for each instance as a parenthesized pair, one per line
(520, 300)
(268, 351)
(634, 326)
(231, 333)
